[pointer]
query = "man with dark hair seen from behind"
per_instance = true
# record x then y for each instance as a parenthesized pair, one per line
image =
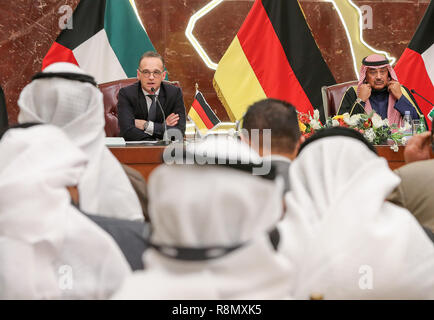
(281, 118)
(140, 117)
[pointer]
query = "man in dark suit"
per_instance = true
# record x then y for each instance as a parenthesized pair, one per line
(140, 117)
(130, 236)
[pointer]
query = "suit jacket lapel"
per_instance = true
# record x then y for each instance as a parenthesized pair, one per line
(142, 102)
(162, 96)
(162, 99)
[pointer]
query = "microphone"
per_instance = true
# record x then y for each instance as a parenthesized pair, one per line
(414, 92)
(431, 113)
(165, 137)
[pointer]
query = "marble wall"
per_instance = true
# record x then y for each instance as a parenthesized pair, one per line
(29, 27)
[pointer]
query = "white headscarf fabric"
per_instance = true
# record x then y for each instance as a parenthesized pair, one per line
(254, 272)
(48, 249)
(344, 239)
(78, 109)
(203, 206)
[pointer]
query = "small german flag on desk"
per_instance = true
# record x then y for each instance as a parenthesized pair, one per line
(201, 114)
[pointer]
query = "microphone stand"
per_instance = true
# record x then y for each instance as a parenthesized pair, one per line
(165, 137)
(431, 113)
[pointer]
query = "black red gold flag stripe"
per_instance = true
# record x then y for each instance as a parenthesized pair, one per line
(273, 55)
(201, 114)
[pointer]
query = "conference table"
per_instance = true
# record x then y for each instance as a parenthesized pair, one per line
(147, 158)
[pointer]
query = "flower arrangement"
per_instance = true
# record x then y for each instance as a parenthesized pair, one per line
(309, 124)
(374, 129)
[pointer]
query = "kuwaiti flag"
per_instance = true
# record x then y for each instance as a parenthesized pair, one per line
(273, 55)
(201, 114)
(107, 40)
(415, 68)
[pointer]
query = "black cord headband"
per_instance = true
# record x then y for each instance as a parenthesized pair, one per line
(374, 63)
(207, 253)
(66, 75)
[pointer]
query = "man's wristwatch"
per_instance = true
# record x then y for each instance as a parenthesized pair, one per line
(359, 101)
(145, 126)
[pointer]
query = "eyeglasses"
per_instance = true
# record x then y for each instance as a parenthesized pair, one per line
(148, 73)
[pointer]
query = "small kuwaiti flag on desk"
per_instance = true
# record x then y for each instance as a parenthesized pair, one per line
(415, 68)
(201, 114)
(107, 40)
(273, 55)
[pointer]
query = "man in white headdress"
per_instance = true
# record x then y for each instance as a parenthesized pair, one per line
(214, 234)
(48, 249)
(63, 95)
(379, 90)
(345, 240)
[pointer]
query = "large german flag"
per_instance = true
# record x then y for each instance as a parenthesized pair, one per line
(415, 68)
(106, 40)
(273, 55)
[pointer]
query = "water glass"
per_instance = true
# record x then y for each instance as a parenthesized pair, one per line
(415, 126)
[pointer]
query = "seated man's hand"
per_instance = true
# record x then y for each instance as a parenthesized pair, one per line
(365, 92)
(172, 119)
(395, 89)
(140, 124)
(418, 148)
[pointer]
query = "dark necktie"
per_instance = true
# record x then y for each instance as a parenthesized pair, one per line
(152, 113)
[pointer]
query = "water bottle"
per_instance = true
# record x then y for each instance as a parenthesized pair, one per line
(421, 127)
(407, 124)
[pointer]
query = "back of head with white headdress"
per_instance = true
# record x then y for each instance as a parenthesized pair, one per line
(212, 204)
(75, 106)
(48, 249)
(211, 225)
(64, 96)
(346, 240)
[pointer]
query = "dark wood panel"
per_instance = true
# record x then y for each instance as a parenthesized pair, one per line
(138, 154)
(142, 158)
